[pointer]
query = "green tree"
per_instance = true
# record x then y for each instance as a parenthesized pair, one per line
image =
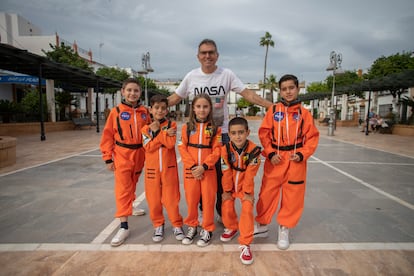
(317, 87)
(266, 41)
(115, 74)
(393, 64)
(30, 104)
(63, 99)
(271, 84)
(252, 109)
(65, 54)
(112, 73)
(396, 63)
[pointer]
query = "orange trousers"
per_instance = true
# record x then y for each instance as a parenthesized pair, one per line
(286, 180)
(246, 224)
(206, 189)
(162, 189)
(128, 167)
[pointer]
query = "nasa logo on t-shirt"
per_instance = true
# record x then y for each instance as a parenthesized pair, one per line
(125, 116)
(296, 116)
(278, 116)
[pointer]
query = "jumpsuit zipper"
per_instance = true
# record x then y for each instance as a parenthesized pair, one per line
(135, 122)
(200, 140)
(236, 182)
(160, 157)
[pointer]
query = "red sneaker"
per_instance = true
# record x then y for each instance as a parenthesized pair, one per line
(246, 256)
(228, 235)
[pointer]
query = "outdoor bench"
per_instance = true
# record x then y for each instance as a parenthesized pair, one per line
(80, 122)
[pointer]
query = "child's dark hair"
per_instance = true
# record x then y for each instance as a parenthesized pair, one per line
(192, 117)
(239, 121)
(131, 80)
(158, 99)
(289, 77)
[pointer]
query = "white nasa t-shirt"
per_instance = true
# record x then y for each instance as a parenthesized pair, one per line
(217, 85)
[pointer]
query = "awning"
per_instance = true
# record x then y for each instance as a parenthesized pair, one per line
(22, 61)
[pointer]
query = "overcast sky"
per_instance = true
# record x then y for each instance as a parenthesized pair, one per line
(304, 32)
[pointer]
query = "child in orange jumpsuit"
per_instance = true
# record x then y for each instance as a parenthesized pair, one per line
(122, 151)
(239, 163)
(200, 150)
(289, 138)
(161, 173)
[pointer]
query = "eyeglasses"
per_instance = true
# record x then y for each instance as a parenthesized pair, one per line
(204, 53)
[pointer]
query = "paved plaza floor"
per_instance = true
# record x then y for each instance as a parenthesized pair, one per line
(57, 206)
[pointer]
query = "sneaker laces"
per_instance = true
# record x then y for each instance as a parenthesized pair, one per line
(191, 232)
(284, 233)
(159, 231)
(227, 231)
(205, 235)
(245, 250)
(178, 231)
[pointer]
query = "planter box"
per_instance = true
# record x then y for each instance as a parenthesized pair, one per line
(7, 151)
(403, 130)
(16, 129)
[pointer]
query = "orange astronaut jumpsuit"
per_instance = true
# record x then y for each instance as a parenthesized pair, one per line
(239, 169)
(286, 129)
(162, 187)
(121, 143)
(200, 148)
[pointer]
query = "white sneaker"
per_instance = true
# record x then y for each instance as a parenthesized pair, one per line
(260, 231)
(191, 233)
(178, 233)
(205, 238)
(158, 233)
(120, 237)
(283, 239)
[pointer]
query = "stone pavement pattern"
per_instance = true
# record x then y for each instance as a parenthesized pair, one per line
(31, 152)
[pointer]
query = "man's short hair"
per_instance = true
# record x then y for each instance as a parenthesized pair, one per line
(158, 99)
(208, 41)
(289, 77)
(239, 121)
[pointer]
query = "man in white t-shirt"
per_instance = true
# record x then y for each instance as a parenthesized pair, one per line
(217, 82)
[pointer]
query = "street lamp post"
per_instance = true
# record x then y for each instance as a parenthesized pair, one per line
(146, 69)
(335, 67)
(369, 107)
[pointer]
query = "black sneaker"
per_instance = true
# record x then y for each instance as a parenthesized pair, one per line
(205, 238)
(158, 233)
(191, 233)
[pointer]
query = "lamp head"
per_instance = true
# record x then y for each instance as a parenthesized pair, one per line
(330, 67)
(339, 71)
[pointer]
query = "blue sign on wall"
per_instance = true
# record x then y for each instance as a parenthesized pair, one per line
(21, 80)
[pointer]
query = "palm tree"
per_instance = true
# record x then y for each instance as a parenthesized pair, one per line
(266, 41)
(272, 85)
